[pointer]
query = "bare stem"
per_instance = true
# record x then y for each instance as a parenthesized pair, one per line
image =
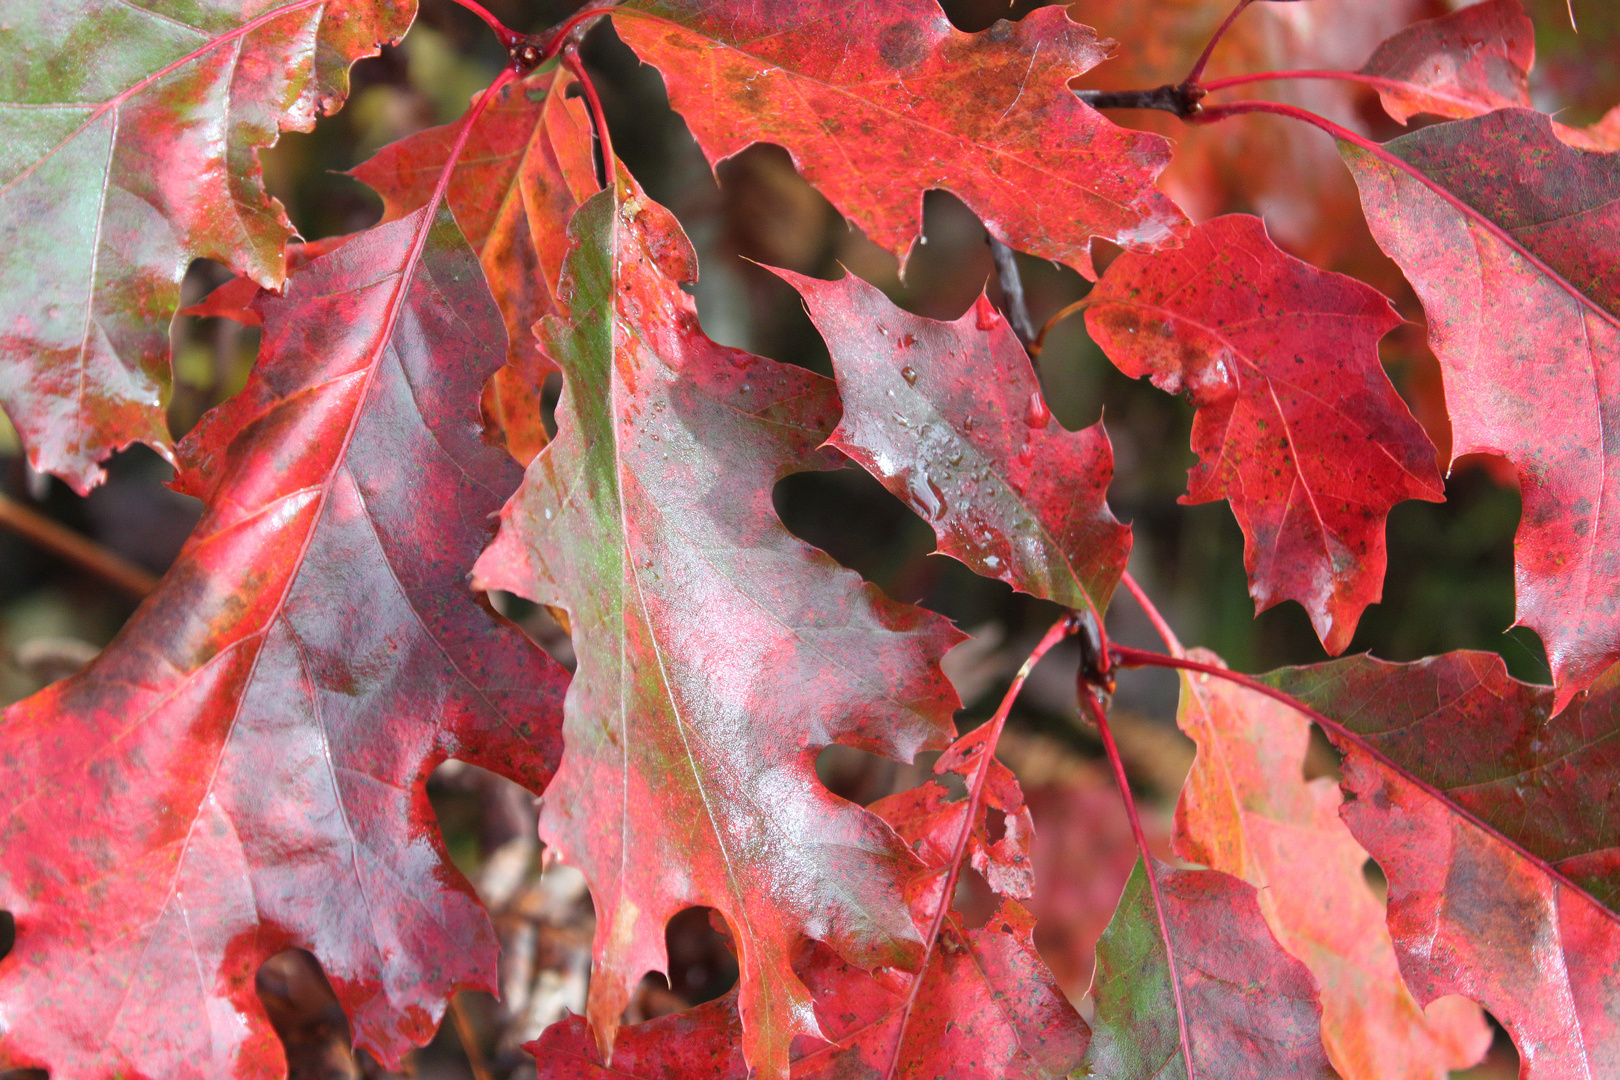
(1220, 31)
(1012, 288)
(1088, 696)
(1039, 343)
(69, 546)
(1181, 99)
(469, 1039)
(571, 61)
(1167, 635)
(553, 41)
(1237, 108)
(1059, 630)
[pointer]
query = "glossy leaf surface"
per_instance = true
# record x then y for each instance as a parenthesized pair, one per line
(1297, 426)
(120, 166)
(1522, 295)
(950, 417)
(879, 100)
(243, 769)
(526, 169)
(690, 772)
(1247, 811)
(1495, 822)
(988, 1008)
(1251, 1009)
(1461, 64)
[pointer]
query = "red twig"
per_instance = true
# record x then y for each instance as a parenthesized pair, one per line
(1236, 108)
(1060, 630)
(508, 36)
(1220, 31)
(1166, 634)
(571, 61)
(1378, 82)
(553, 41)
(1088, 696)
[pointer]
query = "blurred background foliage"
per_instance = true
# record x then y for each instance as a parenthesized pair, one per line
(1449, 583)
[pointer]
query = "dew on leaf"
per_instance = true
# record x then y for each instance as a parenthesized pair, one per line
(909, 373)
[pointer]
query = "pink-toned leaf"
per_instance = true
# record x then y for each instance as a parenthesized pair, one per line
(1494, 819)
(881, 100)
(526, 169)
(243, 769)
(988, 1008)
(717, 653)
(1251, 1009)
(131, 149)
(1297, 426)
(1461, 64)
(1521, 286)
(1247, 810)
(949, 416)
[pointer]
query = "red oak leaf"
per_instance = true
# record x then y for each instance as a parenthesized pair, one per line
(1250, 1009)
(526, 168)
(243, 769)
(988, 1008)
(1495, 820)
(1297, 427)
(1461, 64)
(124, 164)
(234, 299)
(717, 653)
(1518, 268)
(950, 417)
(880, 100)
(1247, 810)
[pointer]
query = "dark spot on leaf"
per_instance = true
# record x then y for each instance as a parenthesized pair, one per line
(901, 47)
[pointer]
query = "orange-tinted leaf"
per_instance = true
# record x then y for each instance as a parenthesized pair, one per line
(949, 416)
(717, 653)
(880, 101)
(1522, 294)
(1496, 822)
(243, 769)
(1297, 427)
(526, 168)
(1247, 810)
(130, 150)
(1462, 64)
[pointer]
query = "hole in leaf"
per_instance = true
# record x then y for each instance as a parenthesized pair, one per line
(23, 1074)
(864, 778)
(306, 1016)
(1322, 758)
(1376, 881)
(8, 933)
(995, 824)
(975, 900)
(702, 967)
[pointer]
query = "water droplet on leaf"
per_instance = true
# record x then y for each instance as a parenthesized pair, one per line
(909, 374)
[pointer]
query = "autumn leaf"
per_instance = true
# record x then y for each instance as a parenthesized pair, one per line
(131, 149)
(243, 769)
(1250, 1010)
(1494, 818)
(526, 168)
(717, 653)
(988, 1008)
(1461, 64)
(1261, 163)
(882, 100)
(1297, 425)
(949, 416)
(1247, 810)
(1518, 268)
